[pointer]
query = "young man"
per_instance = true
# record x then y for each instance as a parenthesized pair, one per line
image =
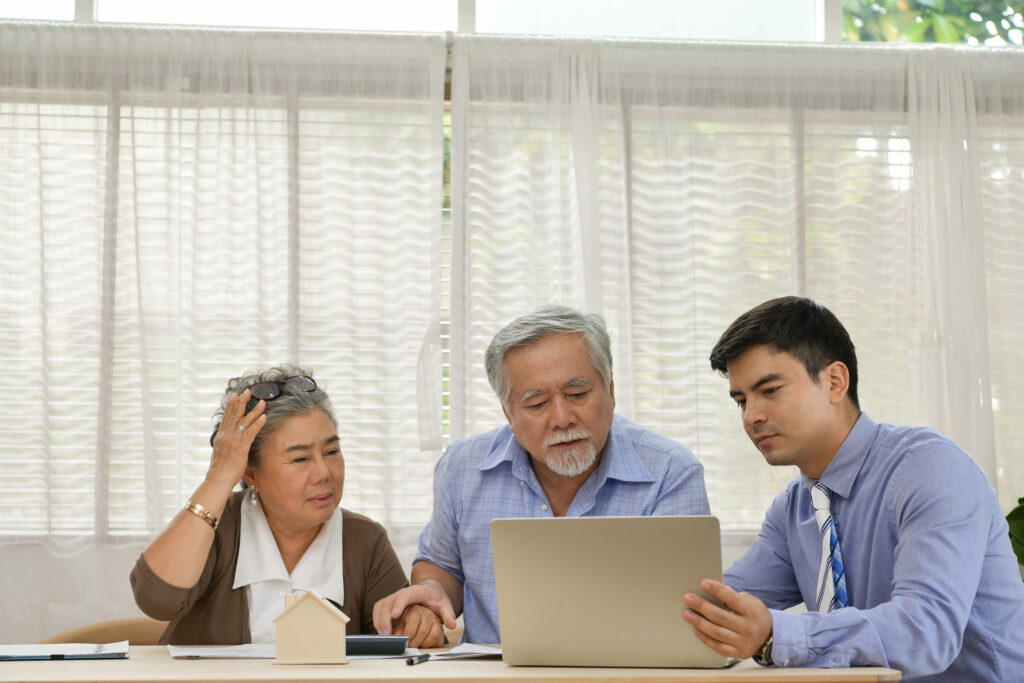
(564, 452)
(900, 552)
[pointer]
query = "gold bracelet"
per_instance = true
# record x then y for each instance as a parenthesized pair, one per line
(202, 513)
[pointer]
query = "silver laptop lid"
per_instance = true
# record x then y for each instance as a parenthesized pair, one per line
(603, 591)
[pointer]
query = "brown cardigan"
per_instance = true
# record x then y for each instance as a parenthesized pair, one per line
(213, 613)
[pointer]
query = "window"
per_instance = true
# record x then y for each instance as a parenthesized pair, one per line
(379, 15)
(792, 20)
(182, 205)
(974, 23)
(38, 9)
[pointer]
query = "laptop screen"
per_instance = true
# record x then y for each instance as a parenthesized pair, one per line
(603, 591)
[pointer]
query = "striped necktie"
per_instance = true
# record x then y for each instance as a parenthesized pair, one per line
(831, 577)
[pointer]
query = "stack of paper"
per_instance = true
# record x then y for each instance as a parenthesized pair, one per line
(66, 651)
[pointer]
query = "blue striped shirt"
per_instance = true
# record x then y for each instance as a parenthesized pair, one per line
(932, 582)
(488, 476)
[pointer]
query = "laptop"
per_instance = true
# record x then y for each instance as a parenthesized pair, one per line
(603, 591)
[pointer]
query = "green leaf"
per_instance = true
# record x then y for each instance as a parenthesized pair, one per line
(945, 30)
(959, 22)
(851, 32)
(917, 32)
(1016, 522)
(934, 5)
(890, 32)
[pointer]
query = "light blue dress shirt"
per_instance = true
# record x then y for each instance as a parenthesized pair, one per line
(933, 585)
(488, 476)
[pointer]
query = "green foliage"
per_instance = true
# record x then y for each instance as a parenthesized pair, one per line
(938, 21)
(1016, 521)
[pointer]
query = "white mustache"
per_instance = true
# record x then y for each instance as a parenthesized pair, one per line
(564, 437)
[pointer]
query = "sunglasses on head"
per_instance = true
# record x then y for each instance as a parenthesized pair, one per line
(270, 389)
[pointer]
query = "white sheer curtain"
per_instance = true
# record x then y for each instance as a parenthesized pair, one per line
(998, 97)
(179, 206)
(671, 186)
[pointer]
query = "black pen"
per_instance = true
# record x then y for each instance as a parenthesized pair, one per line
(418, 659)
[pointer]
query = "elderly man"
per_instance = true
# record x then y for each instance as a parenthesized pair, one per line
(890, 535)
(564, 452)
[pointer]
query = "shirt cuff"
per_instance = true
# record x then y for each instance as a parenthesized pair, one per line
(788, 638)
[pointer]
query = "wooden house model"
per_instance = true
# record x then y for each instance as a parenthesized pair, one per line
(310, 630)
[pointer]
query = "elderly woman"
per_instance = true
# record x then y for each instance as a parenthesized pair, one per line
(218, 570)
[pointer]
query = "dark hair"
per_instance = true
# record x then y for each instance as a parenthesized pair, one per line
(801, 327)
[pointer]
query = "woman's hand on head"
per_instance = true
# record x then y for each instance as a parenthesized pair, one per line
(234, 438)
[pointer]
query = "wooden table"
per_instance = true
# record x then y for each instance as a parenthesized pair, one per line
(153, 663)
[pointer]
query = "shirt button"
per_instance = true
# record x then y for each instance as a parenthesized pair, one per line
(543, 507)
(522, 483)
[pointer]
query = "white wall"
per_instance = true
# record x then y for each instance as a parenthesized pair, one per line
(84, 587)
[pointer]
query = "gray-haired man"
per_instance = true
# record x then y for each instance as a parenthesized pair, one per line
(563, 453)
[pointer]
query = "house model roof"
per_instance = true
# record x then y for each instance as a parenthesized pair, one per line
(313, 595)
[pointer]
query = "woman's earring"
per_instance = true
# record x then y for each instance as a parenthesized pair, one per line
(253, 497)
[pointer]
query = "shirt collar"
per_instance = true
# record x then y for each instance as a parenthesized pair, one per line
(621, 460)
(841, 473)
(506, 449)
(260, 560)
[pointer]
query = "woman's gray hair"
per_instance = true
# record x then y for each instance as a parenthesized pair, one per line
(544, 322)
(291, 402)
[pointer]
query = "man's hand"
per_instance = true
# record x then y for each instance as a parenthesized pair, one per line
(739, 629)
(392, 609)
(421, 625)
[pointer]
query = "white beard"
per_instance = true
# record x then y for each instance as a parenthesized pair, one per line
(571, 462)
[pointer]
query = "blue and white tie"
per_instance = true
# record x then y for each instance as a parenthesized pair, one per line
(831, 577)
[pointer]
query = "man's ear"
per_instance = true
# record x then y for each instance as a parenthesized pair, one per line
(838, 377)
(611, 389)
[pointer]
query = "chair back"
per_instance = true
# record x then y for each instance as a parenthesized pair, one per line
(137, 631)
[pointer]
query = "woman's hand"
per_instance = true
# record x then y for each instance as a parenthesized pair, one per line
(423, 627)
(234, 438)
(392, 615)
(179, 554)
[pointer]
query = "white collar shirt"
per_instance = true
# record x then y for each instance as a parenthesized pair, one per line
(261, 570)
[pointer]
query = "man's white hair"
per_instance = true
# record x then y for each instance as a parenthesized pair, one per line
(540, 324)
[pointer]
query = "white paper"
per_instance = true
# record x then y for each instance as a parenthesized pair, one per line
(247, 651)
(467, 650)
(66, 651)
